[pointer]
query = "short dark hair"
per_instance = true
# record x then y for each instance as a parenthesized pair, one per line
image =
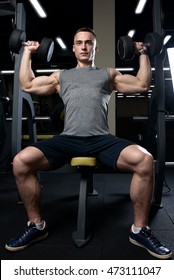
(86, 29)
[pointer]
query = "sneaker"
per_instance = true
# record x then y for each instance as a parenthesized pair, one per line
(28, 236)
(147, 240)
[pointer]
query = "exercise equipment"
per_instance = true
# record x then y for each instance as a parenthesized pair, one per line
(2, 127)
(158, 98)
(20, 98)
(18, 39)
(126, 46)
(86, 165)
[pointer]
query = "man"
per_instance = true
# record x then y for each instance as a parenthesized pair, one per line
(85, 91)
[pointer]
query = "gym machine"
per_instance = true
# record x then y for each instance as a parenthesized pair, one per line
(16, 42)
(159, 97)
(19, 97)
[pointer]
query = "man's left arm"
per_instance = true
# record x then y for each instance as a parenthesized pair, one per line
(130, 84)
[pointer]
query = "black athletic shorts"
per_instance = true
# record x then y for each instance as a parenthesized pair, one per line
(61, 148)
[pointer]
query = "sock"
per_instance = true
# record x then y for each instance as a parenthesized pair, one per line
(41, 225)
(135, 229)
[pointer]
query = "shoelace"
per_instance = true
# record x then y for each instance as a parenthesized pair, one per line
(26, 230)
(151, 237)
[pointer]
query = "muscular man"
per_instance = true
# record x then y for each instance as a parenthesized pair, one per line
(85, 91)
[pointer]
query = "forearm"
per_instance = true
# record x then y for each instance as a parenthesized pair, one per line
(26, 74)
(144, 74)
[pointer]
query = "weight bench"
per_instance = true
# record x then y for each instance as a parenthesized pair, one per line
(86, 165)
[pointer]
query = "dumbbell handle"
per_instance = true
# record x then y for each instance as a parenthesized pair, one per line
(146, 45)
(144, 49)
(25, 44)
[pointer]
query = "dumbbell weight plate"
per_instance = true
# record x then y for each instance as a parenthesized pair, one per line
(45, 50)
(126, 48)
(15, 42)
(155, 43)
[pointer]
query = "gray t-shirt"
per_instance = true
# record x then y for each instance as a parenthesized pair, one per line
(85, 93)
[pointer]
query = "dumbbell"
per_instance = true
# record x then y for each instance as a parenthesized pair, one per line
(126, 46)
(18, 39)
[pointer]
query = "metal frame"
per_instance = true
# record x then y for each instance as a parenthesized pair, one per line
(159, 95)
(19, 97)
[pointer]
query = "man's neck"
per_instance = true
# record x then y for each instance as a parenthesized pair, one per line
(85, 65)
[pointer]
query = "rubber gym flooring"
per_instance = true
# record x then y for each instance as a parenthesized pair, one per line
(109, 218)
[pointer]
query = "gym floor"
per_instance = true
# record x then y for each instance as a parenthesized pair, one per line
(109, 218)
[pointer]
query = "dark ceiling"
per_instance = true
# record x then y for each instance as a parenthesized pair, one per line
(64, 17)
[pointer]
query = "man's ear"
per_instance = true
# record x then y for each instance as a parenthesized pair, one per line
(73, 48)
(97, 48)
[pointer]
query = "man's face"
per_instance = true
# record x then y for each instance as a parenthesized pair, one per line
(85, 46)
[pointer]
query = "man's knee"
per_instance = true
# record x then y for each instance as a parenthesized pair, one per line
(146, 166)
(19, 165)
(135, 158)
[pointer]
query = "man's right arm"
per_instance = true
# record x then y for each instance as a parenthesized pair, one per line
(43, 85)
